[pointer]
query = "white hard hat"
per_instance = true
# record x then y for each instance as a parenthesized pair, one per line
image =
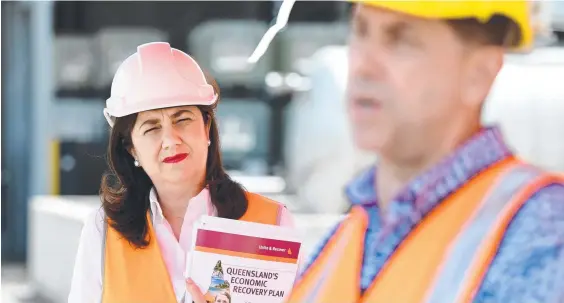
(157, 76)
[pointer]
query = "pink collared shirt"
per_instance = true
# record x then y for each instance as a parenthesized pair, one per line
(86, 285)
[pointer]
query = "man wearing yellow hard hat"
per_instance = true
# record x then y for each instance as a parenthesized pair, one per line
(449, 214)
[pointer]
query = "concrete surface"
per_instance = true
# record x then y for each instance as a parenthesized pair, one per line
(16, 287)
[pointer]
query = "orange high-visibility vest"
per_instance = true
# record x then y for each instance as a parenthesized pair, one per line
(140, 275)
(444, 259)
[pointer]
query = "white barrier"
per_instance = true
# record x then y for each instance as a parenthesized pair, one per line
(54, 228)
(55, 224)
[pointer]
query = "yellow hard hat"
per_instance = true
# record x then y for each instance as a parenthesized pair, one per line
(518, 11)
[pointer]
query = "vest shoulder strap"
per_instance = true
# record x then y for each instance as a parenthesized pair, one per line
(263, 210)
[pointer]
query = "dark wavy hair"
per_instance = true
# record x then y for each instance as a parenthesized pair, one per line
(125, 188)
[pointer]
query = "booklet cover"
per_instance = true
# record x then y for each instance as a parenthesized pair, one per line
(242, 262)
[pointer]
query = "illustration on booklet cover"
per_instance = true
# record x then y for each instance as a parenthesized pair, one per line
(243, 262)
(218, 292)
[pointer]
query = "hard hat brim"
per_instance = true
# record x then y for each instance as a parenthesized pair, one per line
(518, 11)
(112, 114)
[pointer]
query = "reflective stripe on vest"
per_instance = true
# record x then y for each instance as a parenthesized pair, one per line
(320, 278)
(452, 278)
(345, 233)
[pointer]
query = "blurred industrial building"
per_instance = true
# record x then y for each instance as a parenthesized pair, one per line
(283, 125)
(58, 61)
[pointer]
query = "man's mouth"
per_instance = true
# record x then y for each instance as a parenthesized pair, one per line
(366, 102)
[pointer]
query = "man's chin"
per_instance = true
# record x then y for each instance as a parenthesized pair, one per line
(368, 144)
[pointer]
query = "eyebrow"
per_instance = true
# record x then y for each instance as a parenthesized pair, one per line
(150, 121)
(180, 112)
(173, 116)
(399, 27)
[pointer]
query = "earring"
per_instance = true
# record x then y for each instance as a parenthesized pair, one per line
(209, 142)
(136, 163)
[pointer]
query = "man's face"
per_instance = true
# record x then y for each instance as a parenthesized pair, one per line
(408, 78)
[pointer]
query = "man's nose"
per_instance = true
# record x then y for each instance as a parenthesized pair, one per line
(366, 61)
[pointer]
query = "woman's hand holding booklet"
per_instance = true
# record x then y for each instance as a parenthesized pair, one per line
(241, 262)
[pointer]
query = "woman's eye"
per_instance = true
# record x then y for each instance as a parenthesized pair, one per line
(184, 120)
(149, 130)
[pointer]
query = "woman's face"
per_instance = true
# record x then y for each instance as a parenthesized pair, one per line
(171, 144)
(221, 299)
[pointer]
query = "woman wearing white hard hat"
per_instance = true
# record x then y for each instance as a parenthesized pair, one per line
(165, 172)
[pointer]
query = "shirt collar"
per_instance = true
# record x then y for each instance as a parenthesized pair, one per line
(202, 199)
(481, 151)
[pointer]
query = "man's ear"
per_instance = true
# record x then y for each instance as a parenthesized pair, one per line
(483, 67)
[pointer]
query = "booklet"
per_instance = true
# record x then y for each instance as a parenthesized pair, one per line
(241, 262)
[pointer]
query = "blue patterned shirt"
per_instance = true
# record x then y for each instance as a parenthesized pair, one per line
(529, 265)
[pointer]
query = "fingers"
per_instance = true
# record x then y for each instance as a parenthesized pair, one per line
(194, 291)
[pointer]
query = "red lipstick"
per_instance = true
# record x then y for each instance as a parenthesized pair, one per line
(176, 158)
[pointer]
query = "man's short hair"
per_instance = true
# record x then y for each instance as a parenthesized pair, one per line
(498, 31)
